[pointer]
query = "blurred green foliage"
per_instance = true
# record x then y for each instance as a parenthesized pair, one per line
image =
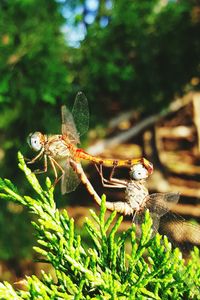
(33, 79)
(144, 54)
(33, 72)
(147, 54)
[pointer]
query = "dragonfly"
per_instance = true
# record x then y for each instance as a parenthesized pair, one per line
(137, 199)
(59, 149)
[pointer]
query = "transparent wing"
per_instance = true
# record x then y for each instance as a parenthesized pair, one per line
(158, 204)
(80, 113)
(156, 222)
(161, 203)
(68, 125)
(180, 232)
(69, 180)
(139, 219)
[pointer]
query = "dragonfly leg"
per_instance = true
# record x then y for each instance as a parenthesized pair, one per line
(33, 160)
(116, 181)
(109, 183)
(104, 181)
(54, 164)
(134, 215)
(112, 173)
(44, 170)
(113, 179)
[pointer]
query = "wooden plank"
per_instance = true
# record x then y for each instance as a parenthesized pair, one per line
(196, 105)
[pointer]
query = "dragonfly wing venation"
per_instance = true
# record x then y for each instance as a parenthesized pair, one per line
(68, 125)
(156, 223)
(69, 180)
(139, 219)
(179, 230)
(161, 203)
(80, 113)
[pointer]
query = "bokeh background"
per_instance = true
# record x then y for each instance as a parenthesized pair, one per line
(138, 63)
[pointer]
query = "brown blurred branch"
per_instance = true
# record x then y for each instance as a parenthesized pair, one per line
(196, 105)
(177, 132)
(142, 125)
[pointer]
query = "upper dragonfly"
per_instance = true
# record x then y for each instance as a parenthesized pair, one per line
(59, 149)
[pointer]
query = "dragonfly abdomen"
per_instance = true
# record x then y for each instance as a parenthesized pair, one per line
(109, 162)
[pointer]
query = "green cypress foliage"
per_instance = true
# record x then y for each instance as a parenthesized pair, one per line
(148, 269)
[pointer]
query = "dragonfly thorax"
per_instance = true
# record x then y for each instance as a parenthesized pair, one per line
(36, 140)
(56, 147)
(136, 194)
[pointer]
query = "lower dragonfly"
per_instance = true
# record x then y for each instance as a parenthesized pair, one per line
(60, 148)
(137, 197)
(137, 200)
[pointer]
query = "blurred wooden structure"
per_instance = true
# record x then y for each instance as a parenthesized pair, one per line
(177, 140)
(171, 140)
(196, 104)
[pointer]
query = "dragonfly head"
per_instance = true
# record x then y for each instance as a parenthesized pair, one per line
(36, 140)
(138, 172)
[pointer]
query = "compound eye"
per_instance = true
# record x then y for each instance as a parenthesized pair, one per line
(138, 172)
(35, 141)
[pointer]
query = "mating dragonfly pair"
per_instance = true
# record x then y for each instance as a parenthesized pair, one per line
(64, 156)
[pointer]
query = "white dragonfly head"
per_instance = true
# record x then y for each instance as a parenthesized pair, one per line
(36, 141)
(138, 172)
